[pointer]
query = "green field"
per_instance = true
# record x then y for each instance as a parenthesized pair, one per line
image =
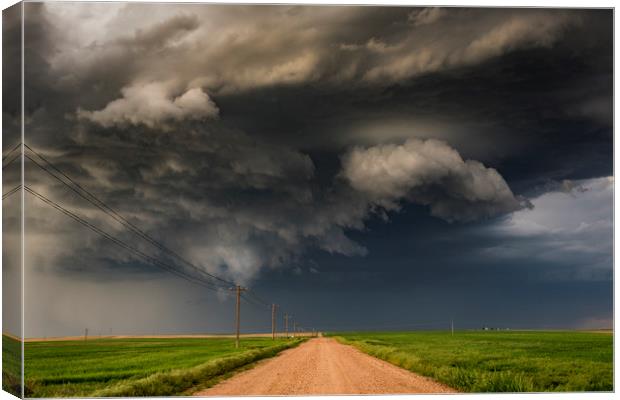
(498, 361)
(137, 367)
(468, 361)
(11, 365)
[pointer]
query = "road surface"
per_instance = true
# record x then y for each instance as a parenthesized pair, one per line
(324, 366)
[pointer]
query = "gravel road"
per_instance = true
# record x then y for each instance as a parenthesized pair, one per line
(324, 366)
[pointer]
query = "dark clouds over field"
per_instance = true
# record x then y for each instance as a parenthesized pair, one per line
(342, 160)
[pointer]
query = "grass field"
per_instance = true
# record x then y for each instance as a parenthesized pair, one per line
(137, 367)
(11, 365)
(498, 361)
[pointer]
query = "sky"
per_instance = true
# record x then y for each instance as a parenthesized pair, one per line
(362, 167)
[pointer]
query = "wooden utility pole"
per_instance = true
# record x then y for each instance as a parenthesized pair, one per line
(238, 289)
(286, 316)
(273, 321)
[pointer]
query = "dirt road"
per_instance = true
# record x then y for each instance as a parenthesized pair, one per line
(324, 366)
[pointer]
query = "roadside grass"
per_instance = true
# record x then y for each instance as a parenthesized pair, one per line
(498, 361)
(210, 382)
(11, 365)
(137, 367)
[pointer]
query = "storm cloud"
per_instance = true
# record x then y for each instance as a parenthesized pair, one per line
(431, 173)
(274, 143)
(228, 49)
(152, 104)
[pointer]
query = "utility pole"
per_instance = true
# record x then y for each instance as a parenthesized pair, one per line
(273, 321)
(294, 327)
(452, 326)
(238, 289)
(286, 316)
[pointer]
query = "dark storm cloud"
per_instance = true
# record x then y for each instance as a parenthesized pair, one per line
(201, 52)
(255, 204)
(11, 174)
(229, 49)
(500, 111)
(11, 73)
(245, 137)
(238, 48)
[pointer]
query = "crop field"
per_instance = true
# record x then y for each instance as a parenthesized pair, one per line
(490, 361)
(137, 367)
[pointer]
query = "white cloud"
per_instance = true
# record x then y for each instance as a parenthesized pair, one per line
(432, 173)
(153, 104)
(573, 228)
(572, 208)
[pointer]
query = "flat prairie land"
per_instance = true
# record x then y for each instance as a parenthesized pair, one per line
(137, 367)
(498, 361)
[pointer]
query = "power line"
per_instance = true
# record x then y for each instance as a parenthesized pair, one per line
(91, 198)
(258, 298)
(205, 278)
(250, 299)
(11, 160)
(120, 243)
(112, 213)
(253, 302)
(12, 150)
(10, 192)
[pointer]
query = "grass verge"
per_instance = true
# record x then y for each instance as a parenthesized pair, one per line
(180, 380)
